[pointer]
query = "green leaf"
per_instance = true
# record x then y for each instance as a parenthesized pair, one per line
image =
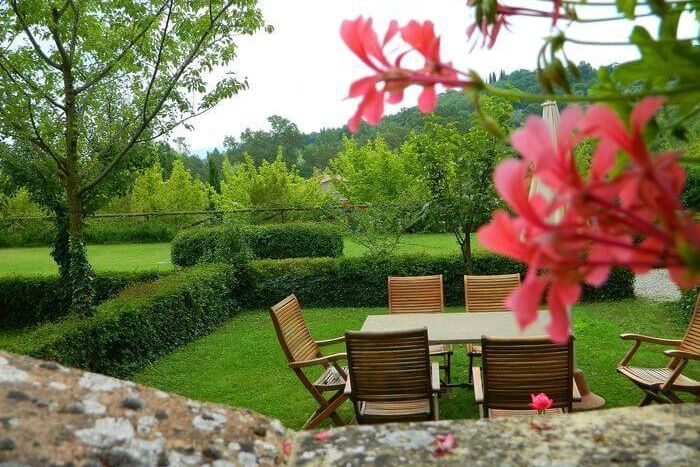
(626, 7)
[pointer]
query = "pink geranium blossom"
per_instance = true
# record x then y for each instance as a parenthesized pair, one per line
(540, 402)
(444, 444)
(630, 218)
(389, 78)
(323, 435)
(489, 26)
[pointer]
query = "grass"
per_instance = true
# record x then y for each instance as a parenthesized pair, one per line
(148, 256)
(241, 364)
(126, 257)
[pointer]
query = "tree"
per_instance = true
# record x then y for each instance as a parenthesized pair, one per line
(374, 173)
(263, 145)
(458, 168)
(214, 177)
(84, 82)
(325, 145)
(269, 185)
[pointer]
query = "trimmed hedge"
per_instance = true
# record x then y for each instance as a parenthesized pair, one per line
(29, 300)
(298, 240)
(220, 244)
(358, 282)
(144, 322)
(234, 244)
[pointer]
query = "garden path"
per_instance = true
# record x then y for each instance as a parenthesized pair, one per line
(656, 285)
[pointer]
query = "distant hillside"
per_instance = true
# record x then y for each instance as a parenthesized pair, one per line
(312, 151)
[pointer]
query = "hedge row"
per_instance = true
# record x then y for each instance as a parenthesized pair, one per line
(144, 322)
(29, 300)
(220, 244)
(299, 240)
(234, 244)
(358, 282)
(41, 233)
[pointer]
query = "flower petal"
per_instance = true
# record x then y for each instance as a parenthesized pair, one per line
(427, 101)
(559, 299)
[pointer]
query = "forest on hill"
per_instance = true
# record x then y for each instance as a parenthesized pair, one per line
(313, 151)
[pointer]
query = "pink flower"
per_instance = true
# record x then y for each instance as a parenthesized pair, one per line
(390, 79)
(490, 25)
(540, 402)
(444, 444)
(603, 213)
(287, 447)
(323, 435)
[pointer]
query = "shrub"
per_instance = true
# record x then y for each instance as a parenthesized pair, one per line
(144, 322)
(219, 244)
(356, 282)
(686, 305)
(30, 300)
(235, 244)
(32, 232)
(299, 240)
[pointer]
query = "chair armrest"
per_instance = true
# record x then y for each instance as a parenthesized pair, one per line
(576, 393)
(348, 387)
(335, 340)
(650, 340)
(320, 360)
(435, 376)
(680, 354)
(478, 385)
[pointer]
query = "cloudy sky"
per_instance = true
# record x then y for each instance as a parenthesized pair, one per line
(302, 70)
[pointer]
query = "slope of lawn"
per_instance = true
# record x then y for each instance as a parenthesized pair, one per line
(241, 364)
(149, 256)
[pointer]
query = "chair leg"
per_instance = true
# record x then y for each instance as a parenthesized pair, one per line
(448, 368)
(327, 410)
(469, 370)
(673, 397)
(650, 397)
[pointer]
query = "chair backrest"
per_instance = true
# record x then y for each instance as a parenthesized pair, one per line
(417, 294)
(489, 293)
(292, 331)
(691, 340)
(389, 366)
(515, 368)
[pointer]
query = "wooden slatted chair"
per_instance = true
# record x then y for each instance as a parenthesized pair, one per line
(483, 294)
(391, 376)
(303, 352)
(661, 384)
(421, 294)
(513, 369)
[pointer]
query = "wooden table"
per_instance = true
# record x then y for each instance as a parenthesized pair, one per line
(459, 328)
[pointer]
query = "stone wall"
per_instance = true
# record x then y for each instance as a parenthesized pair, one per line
(52, 415)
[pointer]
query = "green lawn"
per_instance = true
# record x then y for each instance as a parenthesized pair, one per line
(241, 363)
(132, 257)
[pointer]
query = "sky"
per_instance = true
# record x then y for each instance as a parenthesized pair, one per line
(302, 70)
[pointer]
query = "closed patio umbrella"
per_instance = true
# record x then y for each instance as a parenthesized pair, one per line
(550, 115)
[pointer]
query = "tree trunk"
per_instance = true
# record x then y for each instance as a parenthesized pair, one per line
(80, 272)
(60, 254)
(467, 249)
